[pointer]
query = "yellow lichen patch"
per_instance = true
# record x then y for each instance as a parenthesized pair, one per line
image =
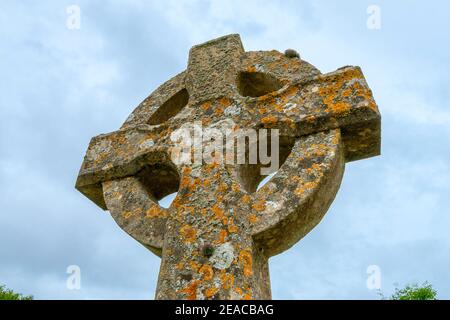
(210, 292)
(315, 167)
(194, 265)
(205, 106)
(318, 150)
(336, 139)
(235, 187)
(245, 258)
(185, 182)
(246, 199)
(339, 107)
(232, 227)
(329, 92)
(238, 291)
(251, 69)
(191, 290)
(227, 280)
(218, 212)
(224, 102)
(252, 218)
(222, 236)
(187, 170)
(347, 92)
(247, 296)
(218, 111)
(155, 212)
(269, 119)
(222, 187)
(127, 214)
(207, 272)
(307, 186)
(259, 205)
(262, 110)
(179, 266)
(194, 184)
(206, 182)
(189, 233)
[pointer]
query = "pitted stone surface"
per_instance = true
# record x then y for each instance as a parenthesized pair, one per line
(324, 120)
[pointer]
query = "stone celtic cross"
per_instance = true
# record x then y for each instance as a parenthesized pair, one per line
(216, 237)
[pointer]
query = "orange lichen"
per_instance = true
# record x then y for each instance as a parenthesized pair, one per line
(340, 107)
(127, 214)
(222, 236)
(347, 92)
(194, 266)
(189, 233)
(269, 119)
(259, 205)
(179, 266)
(227, 280)
(336, 83)
(218, 111)
(245, 257)
(262, 110)
(192, 186)
(218, 212)
(232, 228)
(222, 187)
(246, 199)
(191, 290)
(155, 212)
(205, 106)
(247, 297)
(224, 102)
(235, 187)
(207, 272)
(252, 218)
(206, 182)
(307, 186)
(210, 292)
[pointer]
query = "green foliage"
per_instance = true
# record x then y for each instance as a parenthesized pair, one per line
(8, 294)
(415, 292)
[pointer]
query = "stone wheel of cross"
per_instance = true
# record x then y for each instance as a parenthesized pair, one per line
(216, 237)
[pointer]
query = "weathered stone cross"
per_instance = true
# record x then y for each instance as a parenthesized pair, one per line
(216, 237)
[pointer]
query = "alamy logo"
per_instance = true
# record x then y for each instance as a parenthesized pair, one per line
(224, 143)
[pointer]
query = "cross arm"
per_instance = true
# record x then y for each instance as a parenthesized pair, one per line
(119, 154)
(340, 99)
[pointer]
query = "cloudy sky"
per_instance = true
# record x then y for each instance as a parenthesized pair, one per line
(60, 87)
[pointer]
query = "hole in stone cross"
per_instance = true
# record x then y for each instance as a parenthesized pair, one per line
(170, 108)
(249, 175)
(161, 181)
(256, 84)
